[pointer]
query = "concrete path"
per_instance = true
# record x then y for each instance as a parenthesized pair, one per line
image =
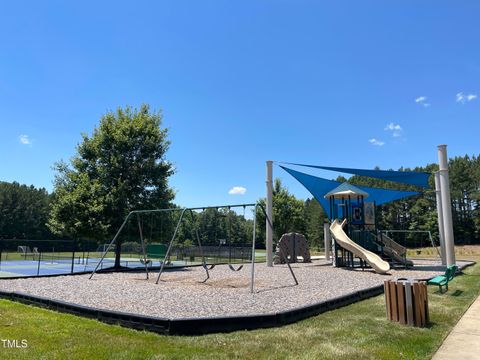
(464, 340)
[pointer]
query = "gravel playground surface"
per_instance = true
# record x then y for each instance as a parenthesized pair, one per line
(180, 293)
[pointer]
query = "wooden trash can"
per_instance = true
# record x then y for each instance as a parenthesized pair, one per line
(407, 302)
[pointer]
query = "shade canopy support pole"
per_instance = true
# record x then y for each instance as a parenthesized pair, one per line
(446, 205)
(269, 224)
(441, 228)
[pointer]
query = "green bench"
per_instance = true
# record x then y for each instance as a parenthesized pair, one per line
(155, 252)
(443, 280)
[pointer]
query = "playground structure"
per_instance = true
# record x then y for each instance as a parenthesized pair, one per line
(353, 229)
(346, 244)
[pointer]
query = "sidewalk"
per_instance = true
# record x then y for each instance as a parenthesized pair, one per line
(464, 340)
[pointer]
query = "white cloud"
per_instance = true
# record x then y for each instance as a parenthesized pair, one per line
(25, 139)
(237, 190)
(422, 101)
(395, 128)
(463, 98)
(376, 142)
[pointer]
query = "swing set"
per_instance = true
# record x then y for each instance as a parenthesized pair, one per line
(224, 248)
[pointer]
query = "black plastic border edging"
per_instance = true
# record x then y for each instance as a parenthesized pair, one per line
(194, 326)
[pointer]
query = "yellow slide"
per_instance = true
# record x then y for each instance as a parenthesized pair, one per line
(345, 242)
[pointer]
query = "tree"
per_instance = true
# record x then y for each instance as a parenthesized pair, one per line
(23, 211)
(288, 213)
(314, 218)
(464, 185)
(119, 168)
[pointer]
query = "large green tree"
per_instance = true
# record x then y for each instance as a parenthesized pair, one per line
(288, 213)
(119, 168)
(314, 220)
(23, 212)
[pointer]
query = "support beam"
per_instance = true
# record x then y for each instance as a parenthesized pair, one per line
(327, 241)
(446, 205)
(441, 227)
(140, 231)
(269, 224)
(252, 269)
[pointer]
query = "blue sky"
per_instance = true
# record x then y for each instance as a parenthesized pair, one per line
(339, 83)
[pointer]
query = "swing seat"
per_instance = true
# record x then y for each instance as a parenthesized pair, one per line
(233, 268)
(145, 261)
(209, 267)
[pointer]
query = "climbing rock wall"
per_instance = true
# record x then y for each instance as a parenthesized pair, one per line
(292, 245)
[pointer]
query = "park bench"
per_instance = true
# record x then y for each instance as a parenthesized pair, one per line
(443, 280)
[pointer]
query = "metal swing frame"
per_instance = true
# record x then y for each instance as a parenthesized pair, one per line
(137, 213)
(229, 228)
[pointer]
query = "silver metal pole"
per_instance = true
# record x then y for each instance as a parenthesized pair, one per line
(170, 246)
(446, 205)
(109, 245)
(281, 252)
(327, 241)
(441, 227)
(204, 263)
(252, 278)
(143, 244)
(269, 224)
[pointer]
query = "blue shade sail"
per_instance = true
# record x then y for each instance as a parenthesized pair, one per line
(319, 187)
(402, 177)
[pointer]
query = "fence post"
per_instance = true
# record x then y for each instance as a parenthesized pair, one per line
(38, 266)
(73, 254)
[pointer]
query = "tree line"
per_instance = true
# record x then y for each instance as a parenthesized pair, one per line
(420, 212)
(122, 166)
(24, 212)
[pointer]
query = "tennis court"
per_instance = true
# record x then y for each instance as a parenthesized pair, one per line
(55, 265)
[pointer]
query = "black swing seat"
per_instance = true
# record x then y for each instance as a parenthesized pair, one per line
(233, 268)
(145, 261)
(209, 267)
